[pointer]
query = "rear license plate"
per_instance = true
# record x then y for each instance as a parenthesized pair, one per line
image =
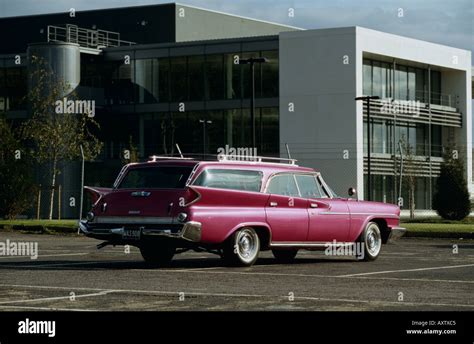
(131, 233)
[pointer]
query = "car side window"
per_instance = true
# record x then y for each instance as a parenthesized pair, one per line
(308, 186)
(283, 184)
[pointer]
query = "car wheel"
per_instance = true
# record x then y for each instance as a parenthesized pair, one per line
(285, 256)
(158, 255)
(371, 240)
(242, 247)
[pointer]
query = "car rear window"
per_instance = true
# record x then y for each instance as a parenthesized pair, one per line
(159, 177)
(243, 180)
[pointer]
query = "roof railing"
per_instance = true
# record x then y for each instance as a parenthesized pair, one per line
(86, 38)
(154, 158)
(232, 158)
(253, 159)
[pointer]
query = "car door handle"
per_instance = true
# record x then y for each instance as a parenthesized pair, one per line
(321, 204)
(273, 204)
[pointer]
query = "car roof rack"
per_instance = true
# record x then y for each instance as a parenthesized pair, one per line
(154, 158)
(254, 159)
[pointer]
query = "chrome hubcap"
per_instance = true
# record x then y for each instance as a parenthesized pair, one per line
(247, 246)
(373, 240)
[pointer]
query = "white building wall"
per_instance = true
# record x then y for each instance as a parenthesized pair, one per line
(318, 77)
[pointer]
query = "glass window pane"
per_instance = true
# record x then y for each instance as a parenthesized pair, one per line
(144, 79)
(436, 141)
(164, 79)
(215, 77)
(283, 185)
(411, 84)
(233, 76)
(367, 78)
(377, 79)
(178, 79)
(308, 186)
(435, 87)
(269, 132)
(169, 177)
(230, 179)
(215, 136)
(246, 78)
(385, 82)
(196, 78)
(420, 85)
(270, 81)
(401, 91)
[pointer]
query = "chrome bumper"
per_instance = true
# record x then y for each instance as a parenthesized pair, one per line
(396, 233)
(191, 231)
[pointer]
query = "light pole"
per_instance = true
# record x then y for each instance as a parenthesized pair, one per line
(204, 122)
(369, 175)
(252, 61)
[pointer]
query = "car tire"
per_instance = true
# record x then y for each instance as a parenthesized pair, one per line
(285, 256)
(371, 241)
(158, 255)
(242, 248)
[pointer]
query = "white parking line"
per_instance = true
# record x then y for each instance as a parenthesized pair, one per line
(412, 279)
(285, 297)
(65, 264)
(407, 270)
(47, 255)
(105, 292)
(52, 309)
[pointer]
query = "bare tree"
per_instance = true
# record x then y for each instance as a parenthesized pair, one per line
(56, 136)
(409, 174)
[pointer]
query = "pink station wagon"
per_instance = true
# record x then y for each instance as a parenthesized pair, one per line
(233, 208)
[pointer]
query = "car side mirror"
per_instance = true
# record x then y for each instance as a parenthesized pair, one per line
(352, 192)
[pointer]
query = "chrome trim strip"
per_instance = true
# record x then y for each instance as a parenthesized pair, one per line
(134, 220)
(310, 244)
(191, 231)
(396, 232)
(347, 213)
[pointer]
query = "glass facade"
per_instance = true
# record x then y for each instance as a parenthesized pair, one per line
(384, 186)
(13, 87)
(214, 88)
(385, 137)
(189, 78)
(157, 133)
(402, 82)
(407, 83)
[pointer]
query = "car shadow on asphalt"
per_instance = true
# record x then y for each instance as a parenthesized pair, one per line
(176, 264)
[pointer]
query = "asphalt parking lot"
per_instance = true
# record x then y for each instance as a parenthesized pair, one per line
(71, 274)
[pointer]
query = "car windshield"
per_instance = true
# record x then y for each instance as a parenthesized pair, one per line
(243, 180)
(157, 177)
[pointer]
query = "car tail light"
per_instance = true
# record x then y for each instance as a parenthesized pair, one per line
(192, 196)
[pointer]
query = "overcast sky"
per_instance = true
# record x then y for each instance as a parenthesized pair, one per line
(448, 22)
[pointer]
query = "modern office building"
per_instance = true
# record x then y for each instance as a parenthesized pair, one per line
(166, 74)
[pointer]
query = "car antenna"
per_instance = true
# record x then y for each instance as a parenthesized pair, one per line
(288, 151)
(179, 151)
